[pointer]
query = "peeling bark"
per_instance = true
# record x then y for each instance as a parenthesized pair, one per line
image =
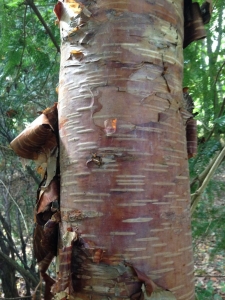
(123, 160)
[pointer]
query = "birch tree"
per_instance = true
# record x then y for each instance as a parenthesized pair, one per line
(124, 192)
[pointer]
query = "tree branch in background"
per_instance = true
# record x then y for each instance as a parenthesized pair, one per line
(200, 178)
(24, 45)
(205, 180)
(25, 224)
(26, 274)
(33, 175)
(9, 240)
(48, 30)
(219, 115)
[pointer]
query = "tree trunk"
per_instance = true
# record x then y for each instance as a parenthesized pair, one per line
(124, 170)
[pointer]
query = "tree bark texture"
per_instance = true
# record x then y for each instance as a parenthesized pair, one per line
(123, 159)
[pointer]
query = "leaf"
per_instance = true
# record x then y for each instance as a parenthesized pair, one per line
(11, 113)
(50, 167)
(14, 3)
(58, 9)
(220, 121)
(50, 195)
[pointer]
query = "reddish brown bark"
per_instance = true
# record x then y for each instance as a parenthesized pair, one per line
(123, 159)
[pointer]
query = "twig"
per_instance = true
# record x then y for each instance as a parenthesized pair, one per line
(22, 297)
(6, 148)
(200, 178)
(26, 274)
(197, 195)
(24, 45)
(200, 276)
(48, 30)
(219, 115)
(25, 224)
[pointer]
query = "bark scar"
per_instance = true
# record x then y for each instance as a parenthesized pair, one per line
(164, 72)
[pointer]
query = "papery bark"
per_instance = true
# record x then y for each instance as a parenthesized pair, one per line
(123, 159)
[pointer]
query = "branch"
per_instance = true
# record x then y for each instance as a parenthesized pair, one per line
(26, 274)
(6, 148)
(18, 298)
(219, 115)
(25, 224)
(197, 195)
(33, 175)
(200, 178)
(9, 240)
(24, 46)
(48, 30)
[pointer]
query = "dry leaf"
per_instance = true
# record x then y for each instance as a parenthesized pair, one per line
(50, 195)
(58, 10)
(11, 113)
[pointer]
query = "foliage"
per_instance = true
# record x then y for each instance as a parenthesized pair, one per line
(207, 293)
(28, 79)
(204, 71)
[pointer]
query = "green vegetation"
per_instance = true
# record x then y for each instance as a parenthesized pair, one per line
(28, 79)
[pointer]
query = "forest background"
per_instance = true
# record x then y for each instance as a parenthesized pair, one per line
(30, 58)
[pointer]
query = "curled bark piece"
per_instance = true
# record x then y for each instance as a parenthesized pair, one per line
(63, 283)
(150, 290)
(191, 135)
(52, 114)
(37, 141)
(206, 11)
(194, 30)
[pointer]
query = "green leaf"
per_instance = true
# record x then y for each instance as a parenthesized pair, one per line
(220, 121)
(14, 3)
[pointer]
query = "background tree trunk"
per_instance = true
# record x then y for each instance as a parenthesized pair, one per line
(123, 160)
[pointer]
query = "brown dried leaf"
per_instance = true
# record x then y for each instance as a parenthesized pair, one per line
(58, 9)
(11, 113)
(41, 169)
(50, 195)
